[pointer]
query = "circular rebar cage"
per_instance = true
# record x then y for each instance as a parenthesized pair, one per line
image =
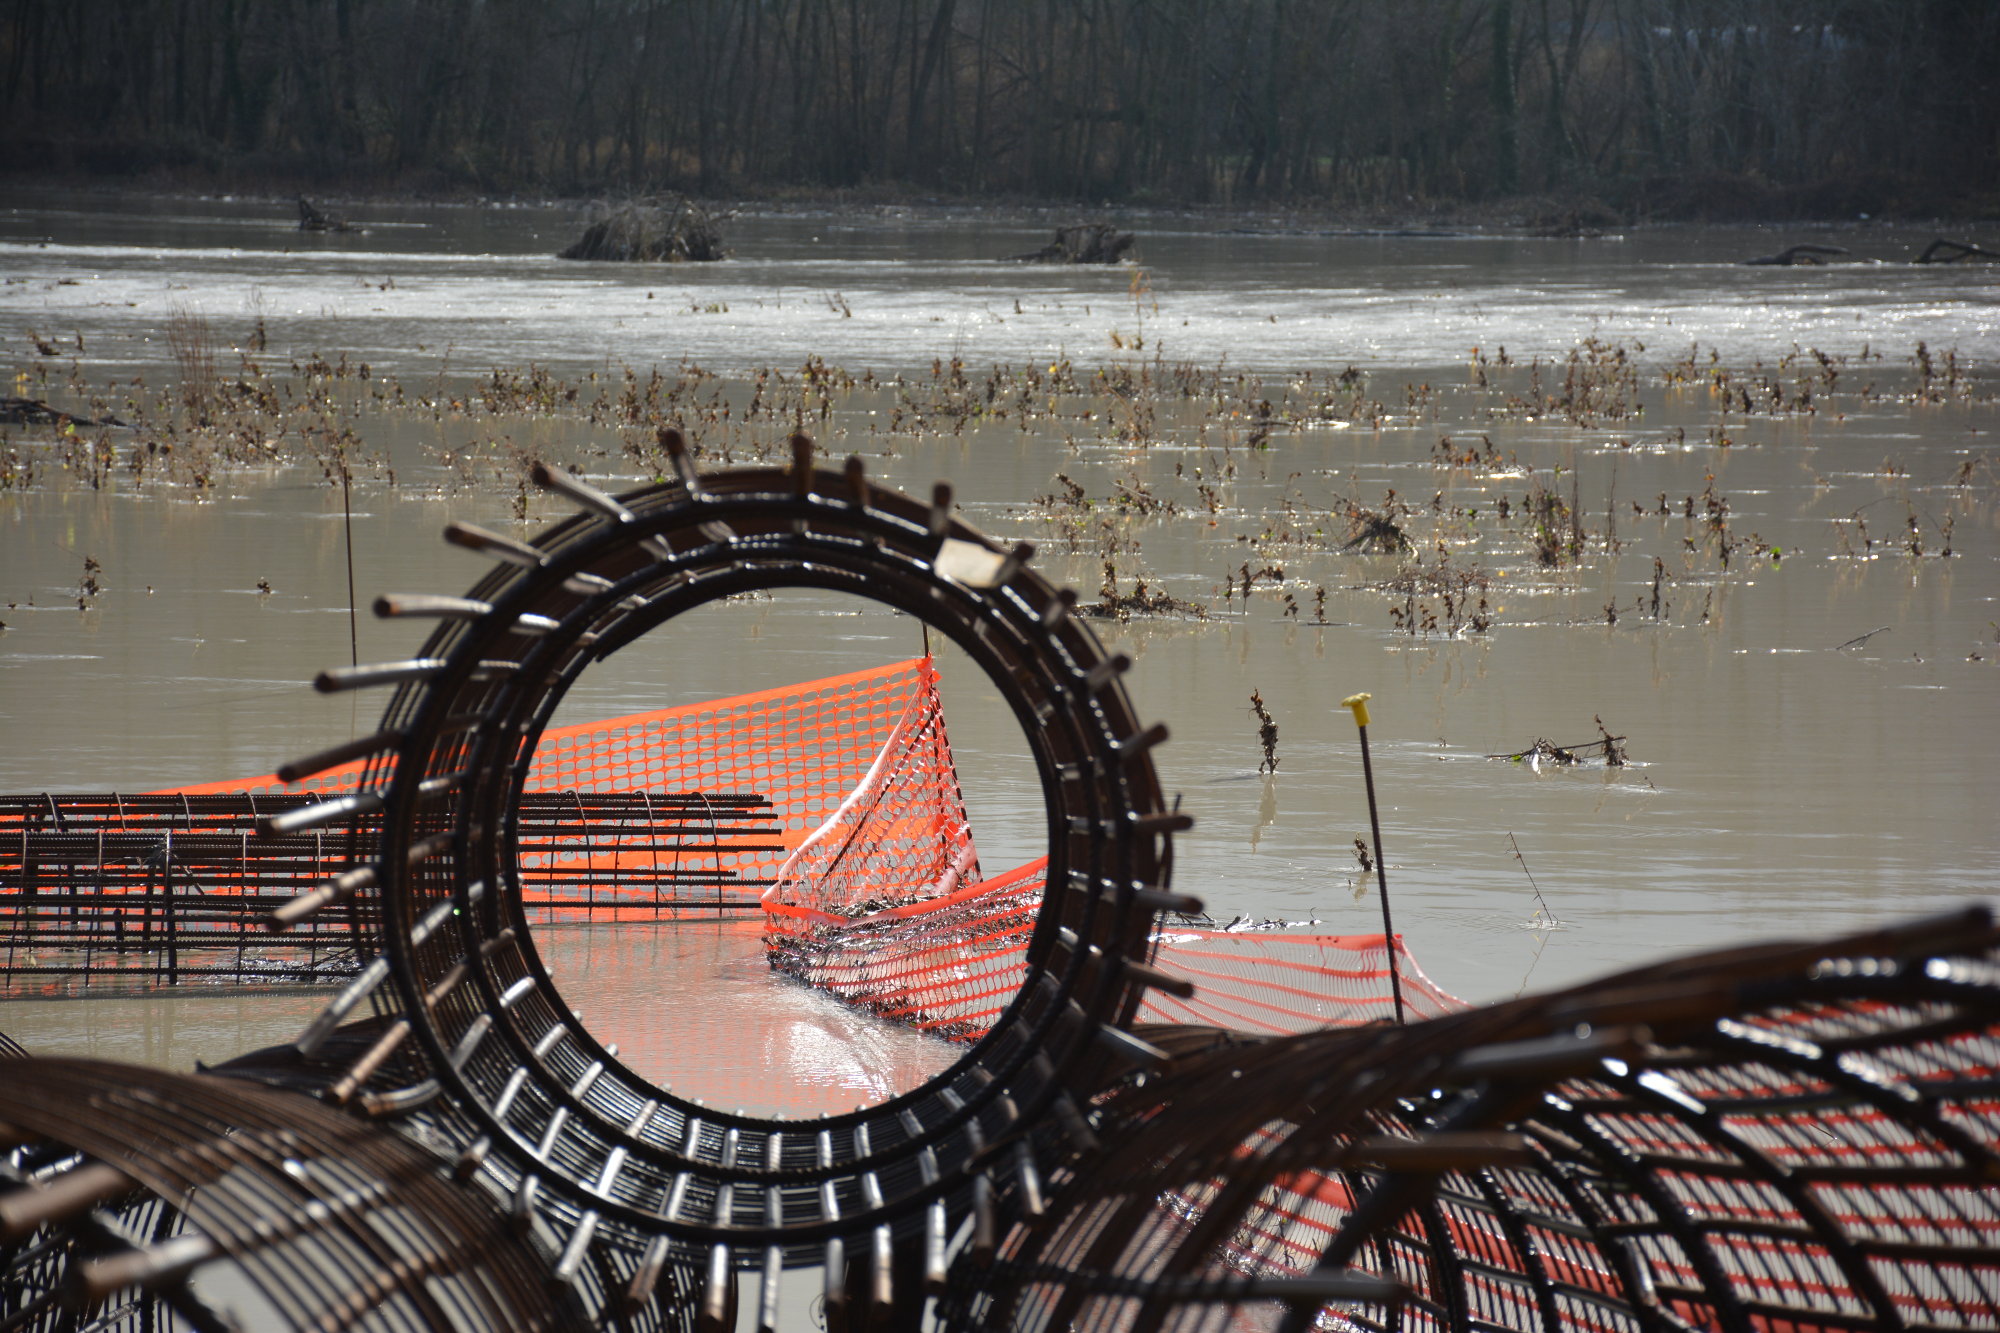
(1785, 1137)
(124, 1190)
(477, 1040)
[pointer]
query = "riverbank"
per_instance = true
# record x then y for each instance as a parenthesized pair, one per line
(1586, 212)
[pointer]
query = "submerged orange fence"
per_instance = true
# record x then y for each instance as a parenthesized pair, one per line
(883, 906)
(950, 965)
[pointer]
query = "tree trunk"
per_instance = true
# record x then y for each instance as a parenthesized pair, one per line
(1506, 136)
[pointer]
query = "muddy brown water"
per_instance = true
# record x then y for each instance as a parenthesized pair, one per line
(1812, 737)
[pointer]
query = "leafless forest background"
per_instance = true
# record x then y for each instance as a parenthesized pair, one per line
(1675, 108)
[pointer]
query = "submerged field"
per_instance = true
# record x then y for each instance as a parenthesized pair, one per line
(1551, 503)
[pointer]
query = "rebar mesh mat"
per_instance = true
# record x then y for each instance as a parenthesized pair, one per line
(122, 891)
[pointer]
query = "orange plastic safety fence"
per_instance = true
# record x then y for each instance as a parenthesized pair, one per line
(900, 835)
(805, 747)
(950, 965)
(883, 907)
(1259, 981)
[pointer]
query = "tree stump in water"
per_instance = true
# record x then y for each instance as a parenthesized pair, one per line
(1085, 243)
(673, 231)
(312, 219)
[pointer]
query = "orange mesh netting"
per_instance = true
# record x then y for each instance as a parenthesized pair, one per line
(951, 964)
(883, 906)
(876, 891)
(807, 748)
(900, 835)
(1259, 981)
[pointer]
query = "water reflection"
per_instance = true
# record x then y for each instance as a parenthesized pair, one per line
(694, 1007)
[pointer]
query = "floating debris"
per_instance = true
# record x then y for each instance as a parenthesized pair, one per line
(1798, 255)
(1942, 251)
(316, 219)
(1111, 604)
(1609, 748)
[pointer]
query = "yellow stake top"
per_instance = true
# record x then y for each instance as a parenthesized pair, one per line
(1358, 704)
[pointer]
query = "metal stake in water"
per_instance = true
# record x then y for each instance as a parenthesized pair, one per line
(1358, 705)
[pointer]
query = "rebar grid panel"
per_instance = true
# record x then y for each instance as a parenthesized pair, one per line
(127, 1192)
(115, 891)
(1793, 1137)
(478, 1043)
(113, 844)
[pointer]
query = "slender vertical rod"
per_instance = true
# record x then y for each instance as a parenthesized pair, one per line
(1358, 705)
(347, 521)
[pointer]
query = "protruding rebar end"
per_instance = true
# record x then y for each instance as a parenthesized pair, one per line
(1358, 705)
(680, 457)
(802, 462)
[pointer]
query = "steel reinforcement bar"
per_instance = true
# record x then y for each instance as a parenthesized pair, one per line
(132, 1198)
(115, 890)
(473, 1042)
(1795, 1136)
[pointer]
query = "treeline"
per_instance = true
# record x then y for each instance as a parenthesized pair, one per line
(1357, 101)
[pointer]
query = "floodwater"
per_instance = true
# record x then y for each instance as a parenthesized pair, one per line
(1812, 736)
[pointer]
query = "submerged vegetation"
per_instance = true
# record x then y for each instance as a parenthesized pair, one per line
(1267, 733)
(1607, 748)
(1196, 493)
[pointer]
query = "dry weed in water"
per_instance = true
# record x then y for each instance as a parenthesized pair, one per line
(1267, 733)
(192, 344)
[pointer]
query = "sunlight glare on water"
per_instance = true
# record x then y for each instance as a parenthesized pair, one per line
(892, 292)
